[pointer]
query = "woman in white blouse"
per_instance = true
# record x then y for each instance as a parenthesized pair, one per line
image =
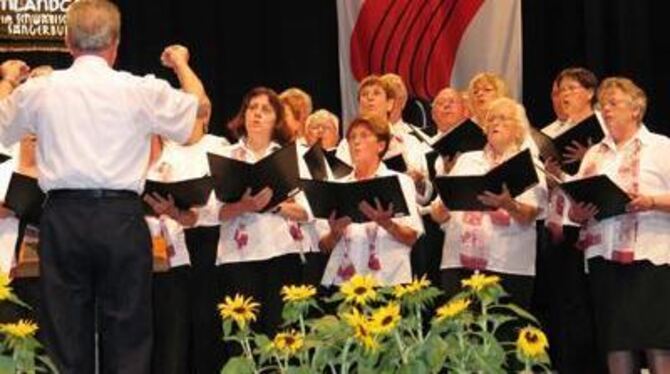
(381, 247)
(628, 255)
(501, 241)
(259, 251)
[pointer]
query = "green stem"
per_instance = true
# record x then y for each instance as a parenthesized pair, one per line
(246, 347)
(302, 325)
(401, 347)
(282, 369)
(420, 319)
(343, 366)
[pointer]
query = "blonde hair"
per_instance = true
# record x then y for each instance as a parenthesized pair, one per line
(93, 25)
(323, 115)
(629, 88)
(298, 101)
(492, 79)
(375, 80)
(520, 118)
(396, 82)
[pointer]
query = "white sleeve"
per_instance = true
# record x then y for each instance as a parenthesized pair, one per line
(17, 112)
(170, 112)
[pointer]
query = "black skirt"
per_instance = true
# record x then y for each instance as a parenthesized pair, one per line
(630, 303)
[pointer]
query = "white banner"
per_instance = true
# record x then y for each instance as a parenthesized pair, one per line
(430, 43)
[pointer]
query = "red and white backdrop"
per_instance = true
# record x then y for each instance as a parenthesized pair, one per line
(430, 43)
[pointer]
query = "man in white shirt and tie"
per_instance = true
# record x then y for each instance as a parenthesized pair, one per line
(93, 126)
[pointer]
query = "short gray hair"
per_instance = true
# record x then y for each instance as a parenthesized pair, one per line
(93, 25)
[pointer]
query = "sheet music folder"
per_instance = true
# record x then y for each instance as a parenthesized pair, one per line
(25, 198)
(338, 167)
(279, 171)
(466, 137)
(600, 191)
(315, 159)
(460, 192)
(186, 193)
(588, 129)
(343, 198)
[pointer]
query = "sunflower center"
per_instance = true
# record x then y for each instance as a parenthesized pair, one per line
(289, 340)
(240, 310)
(531, 337)
(387, 320)
(362, 331)
(360, 290)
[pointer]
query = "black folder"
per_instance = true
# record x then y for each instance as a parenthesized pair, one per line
(588, 129)
(600, 191)
(343, 198)
(316, 162)
(279, 171)
(467, 136)
(338, 167)
(460, 192)
(396, 163)
(186, 193)
(25, 198)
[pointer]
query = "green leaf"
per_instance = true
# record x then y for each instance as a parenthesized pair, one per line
(434, 352)
(298, 370)
(413, 367)
(238, 365)
(7, 364)
(48, 363)
(227, 327)
(518, 311)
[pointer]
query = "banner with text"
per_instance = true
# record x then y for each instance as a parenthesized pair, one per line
(32, 25)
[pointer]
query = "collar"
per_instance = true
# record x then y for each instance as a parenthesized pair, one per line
(90, 60)
(272, 147)
(381, 171)
(643, 135)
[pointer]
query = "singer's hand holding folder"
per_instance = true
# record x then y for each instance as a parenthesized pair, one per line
(344, 198)
(461, 192)
(186, 194)
(600, 191)
(278, 171)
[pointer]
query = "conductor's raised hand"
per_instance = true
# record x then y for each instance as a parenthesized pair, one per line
(174, 56)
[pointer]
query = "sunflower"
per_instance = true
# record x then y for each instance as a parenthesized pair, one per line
(362, 329)
(452, 309)
(240, 309)
(532, 342)
(385, 319)
(359, 289)
(5, 289)
(288, 342)
(21, 329)
(415, 286)
(478, 281)
(297, 293)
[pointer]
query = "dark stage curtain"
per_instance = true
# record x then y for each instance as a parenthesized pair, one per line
(237, 45)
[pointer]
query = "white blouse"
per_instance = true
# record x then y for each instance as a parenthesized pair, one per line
(652, 241)
(402, 143)
(9, 227)
(512, 248)
(394, 257)
(257, 236)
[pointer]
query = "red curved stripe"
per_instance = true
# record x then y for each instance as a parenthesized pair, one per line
(417, 39)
